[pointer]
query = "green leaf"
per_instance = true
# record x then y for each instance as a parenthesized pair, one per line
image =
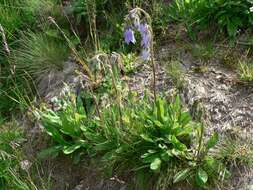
(105, 146)
(70, 126)
(160, 110)
(156, 164)
(212, 141)
(54, 132)
(93, 136)
(147, 138)
(177, 144)
(176, 152)
(126, 119)
(181, 175)
(177, 105)
(185, 118)
(149, 157)
(187, 130)
(201, 177)
(71, 149)
(233, 25)
(166, 156)
(152, 151)
(83, 128)
(210, 164)
(158, 123)
(79, 117)
(80, 107)
(108, 156)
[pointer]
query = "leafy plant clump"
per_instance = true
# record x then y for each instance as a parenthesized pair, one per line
(157, 142)
(228, 16)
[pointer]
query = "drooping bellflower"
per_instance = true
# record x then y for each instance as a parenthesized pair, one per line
(129, 36)
(145, 42)
(145, 35)
(143, 28)
(134, 24)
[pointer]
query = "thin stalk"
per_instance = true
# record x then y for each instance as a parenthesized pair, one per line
(201, 136)
(153, 66)
(91, 8)
(97, 108)
(5, 45)
(73, 49)
(117, 93)
(149, 20)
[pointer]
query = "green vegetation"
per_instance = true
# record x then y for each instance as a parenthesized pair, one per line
(16, 172)
(204, 52)
(13, 169)
(225, 15)
(136, 138)
(235, 152)
(175, 71)
(150, 139)
(245, 71)
(39, 54)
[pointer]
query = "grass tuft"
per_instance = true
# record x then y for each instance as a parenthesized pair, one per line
(39, 54)
(175, 71)
(245, 71)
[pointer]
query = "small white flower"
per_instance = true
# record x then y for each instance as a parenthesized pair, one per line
(25, 165)
(251, 9)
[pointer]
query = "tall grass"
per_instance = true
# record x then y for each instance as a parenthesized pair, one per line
(20, 14)
(39, 54)
(18, 68)
(10, 16)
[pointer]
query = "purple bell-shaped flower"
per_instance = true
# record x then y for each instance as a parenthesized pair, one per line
(129, 36)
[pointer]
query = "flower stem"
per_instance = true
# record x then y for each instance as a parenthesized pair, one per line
(153, 67)
(74, 51)
(149, 20)
(5, 45)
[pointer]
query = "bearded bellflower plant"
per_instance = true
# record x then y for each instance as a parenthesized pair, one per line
(139, 20)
